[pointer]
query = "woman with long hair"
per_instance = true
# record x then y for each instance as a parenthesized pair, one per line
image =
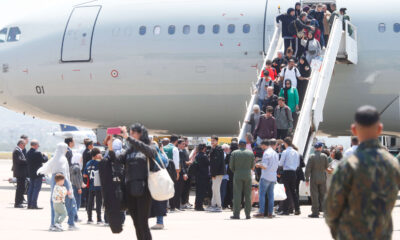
(135, 161)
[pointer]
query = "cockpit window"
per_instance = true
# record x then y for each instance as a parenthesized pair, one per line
(14, 34)
(3, 35)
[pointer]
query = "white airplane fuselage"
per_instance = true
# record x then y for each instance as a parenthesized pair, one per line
(108, 74)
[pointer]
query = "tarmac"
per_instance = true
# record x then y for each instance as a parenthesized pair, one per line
(20, 224)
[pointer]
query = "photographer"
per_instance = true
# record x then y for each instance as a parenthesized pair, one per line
(137, 196)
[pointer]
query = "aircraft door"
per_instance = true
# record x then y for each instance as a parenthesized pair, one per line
(78, 34)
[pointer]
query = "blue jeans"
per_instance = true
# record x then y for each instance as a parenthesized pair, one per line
(78, 198)
(35, 185)
(224, 186)
(69, 203)
(266, 187)
(160, 220)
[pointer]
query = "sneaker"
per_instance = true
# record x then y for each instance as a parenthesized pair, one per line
(216, 209)
(313, 216)
(106, 224)
(52, 228)
(172, 210)
(72, 228)
(297, 212)
(100, 222)
(89, 222)
(58, 227)
(157, 227)
(210, 208)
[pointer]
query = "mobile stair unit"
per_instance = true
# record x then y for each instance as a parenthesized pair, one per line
(341, 48)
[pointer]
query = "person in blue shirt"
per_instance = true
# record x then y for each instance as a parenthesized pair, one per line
(92, 173)
(290, 160)
(269, 166)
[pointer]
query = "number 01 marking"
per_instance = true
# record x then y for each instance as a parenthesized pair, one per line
(39, 90)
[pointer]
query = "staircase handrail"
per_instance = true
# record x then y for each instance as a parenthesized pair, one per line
(272, 49)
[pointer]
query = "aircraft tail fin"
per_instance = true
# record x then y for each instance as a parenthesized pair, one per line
(67, 128)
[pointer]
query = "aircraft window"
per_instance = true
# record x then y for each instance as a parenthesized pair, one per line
(246, 28)
(396, 27)
(382, 27)
(157, 30)
(186, 29)
(216, 29)
(201, 29)
(142, 30)
(171, 29)
(231, 28)
(13, 34)
(3, 35)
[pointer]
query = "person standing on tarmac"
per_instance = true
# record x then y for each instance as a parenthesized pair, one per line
(365, 186)
(201, 166)
(316, 168)
(217, 170)
(290, 161)
(241, 164)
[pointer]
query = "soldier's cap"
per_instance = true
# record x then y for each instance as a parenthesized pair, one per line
(318, 145)
(367, 116)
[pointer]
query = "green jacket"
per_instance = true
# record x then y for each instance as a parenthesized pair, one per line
(242, 162)
(169, 150)
(363, 193)
(293, 98)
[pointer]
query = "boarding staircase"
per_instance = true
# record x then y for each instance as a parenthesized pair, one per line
(341, 48)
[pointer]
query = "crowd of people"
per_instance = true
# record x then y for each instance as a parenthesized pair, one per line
(240, 175)
(283, 81)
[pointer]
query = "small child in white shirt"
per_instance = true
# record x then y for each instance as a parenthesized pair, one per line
(58, 197)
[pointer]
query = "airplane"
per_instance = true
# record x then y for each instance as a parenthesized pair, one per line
(78, 135)
(180, 66)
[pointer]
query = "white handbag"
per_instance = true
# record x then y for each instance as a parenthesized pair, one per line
(279, 192)
(160, 183)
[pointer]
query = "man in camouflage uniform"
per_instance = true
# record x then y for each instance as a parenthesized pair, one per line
(365, 185)
(241, 164)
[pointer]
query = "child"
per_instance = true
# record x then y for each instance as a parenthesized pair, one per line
(59, 193)
(92, 172)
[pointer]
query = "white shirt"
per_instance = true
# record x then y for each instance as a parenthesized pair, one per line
(175, 157)
(291, 75)
(350, 151)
